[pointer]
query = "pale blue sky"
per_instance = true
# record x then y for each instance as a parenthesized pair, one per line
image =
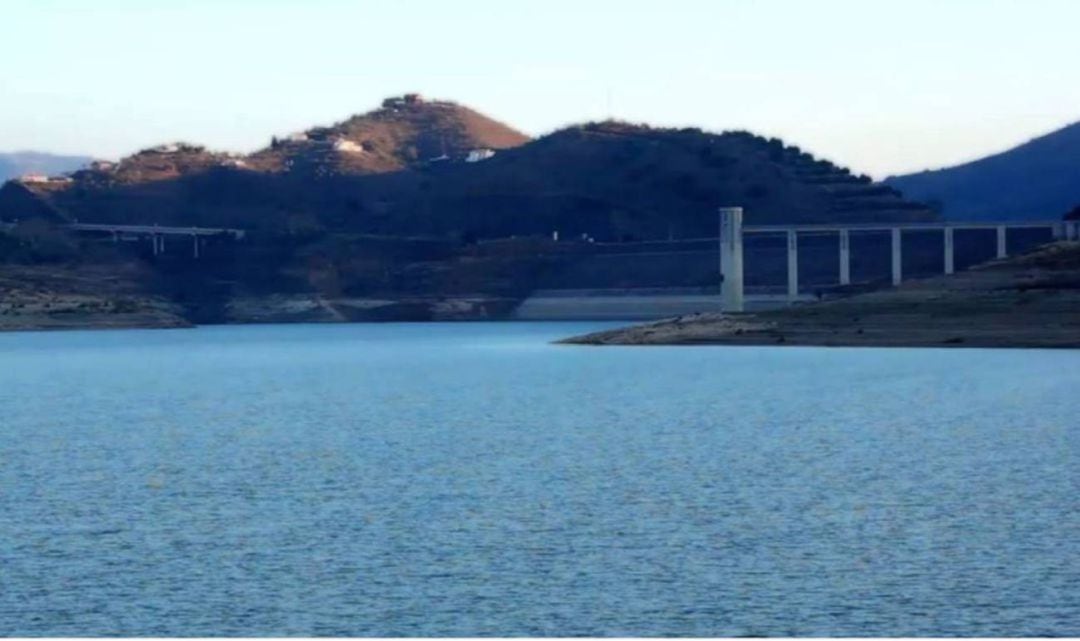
(881, 86)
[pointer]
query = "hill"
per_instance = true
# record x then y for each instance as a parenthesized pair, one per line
(430, 210)
(20, 163)
(404, 132)
(1036, 180)
(609, 181)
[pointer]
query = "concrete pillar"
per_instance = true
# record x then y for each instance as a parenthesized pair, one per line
(1058, 231)
(897, 257)
(1072, 230)
(845, 257)
(950, 265)
(792, 264)
(731, 258)
(1002, 251)
(154, 243)
(195, 239)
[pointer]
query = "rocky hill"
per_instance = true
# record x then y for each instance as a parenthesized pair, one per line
(406, 131)
(417, 168)
(1038, 180)
(419, 201)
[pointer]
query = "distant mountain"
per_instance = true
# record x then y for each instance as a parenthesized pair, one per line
(1037, 180)
(13, 165)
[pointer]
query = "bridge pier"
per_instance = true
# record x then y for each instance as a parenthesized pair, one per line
(897, 257)
(195, 241)
(1002, 250)
(731, 258)
(792, 265)
(1072, 230)
(950, 265)
(158, 241)
(845, 257)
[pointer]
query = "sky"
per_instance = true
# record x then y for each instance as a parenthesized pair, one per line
(881, 86)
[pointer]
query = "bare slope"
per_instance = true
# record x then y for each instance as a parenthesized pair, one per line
(82, 296)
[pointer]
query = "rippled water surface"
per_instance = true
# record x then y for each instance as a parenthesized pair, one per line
(472, 479)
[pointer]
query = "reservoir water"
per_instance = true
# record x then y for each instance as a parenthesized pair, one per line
(473, 479)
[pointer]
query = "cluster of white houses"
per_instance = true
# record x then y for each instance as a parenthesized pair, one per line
(43, 178)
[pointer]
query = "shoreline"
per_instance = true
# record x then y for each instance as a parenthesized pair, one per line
(1029, 301)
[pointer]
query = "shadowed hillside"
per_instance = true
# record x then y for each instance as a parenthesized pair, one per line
(1039, 180)
(610, 181)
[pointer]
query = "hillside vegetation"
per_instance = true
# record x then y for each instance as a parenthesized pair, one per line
(434, 168)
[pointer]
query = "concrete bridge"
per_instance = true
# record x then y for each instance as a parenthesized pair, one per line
(157, 233)
(732, 232)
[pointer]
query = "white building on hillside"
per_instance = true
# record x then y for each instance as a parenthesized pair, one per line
(347, 146)
(476, 155)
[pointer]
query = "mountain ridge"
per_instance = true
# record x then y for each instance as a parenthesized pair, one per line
(421, 210)
(1038, 179)
(389, 170)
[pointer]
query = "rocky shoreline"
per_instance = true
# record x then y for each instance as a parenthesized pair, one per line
(1032, 300)
(82, 297)
(111, 297)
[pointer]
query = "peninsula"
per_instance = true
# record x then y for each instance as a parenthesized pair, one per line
(1031, 300)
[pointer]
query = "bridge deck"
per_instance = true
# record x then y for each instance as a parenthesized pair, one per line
(156, 229)
(932, 226)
